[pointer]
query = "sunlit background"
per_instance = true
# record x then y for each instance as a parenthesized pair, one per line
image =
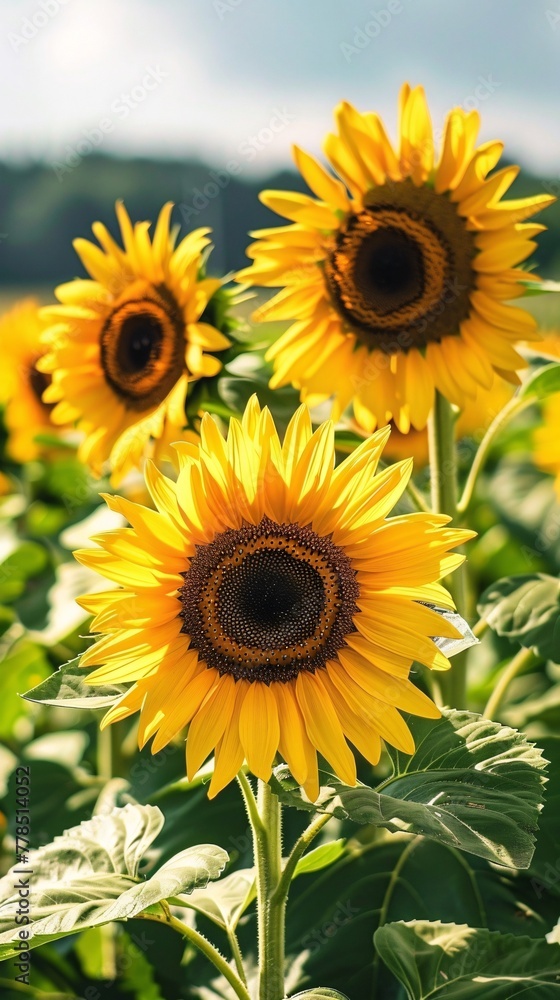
(211, 95)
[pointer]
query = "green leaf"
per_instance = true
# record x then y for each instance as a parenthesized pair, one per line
(225, 901)
(540, 287)
(138, 976)
(28, 560)
(544, 874)
(320, 857)
(333, 916)
(524, 500)
(65, 615)
(472, 784)
(90, 876)
(453, 960)
(27, 664)
(68, 746)
(545, 382)
(67, 688)
(525, 608)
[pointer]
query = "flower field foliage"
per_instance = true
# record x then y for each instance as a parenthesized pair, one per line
(280, 595)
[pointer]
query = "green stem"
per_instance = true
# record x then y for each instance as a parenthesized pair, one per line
(271, 914)
(250, 804)
(107, 931)
(418, 500)
(443, 470)
(105, 754)
(237, 955)
(509, 411)
(204, 946)
(265, 818)
(298, 850)
(522, 660)
(480, 628)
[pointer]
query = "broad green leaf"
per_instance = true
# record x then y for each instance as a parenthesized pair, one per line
(79, 535)
(90, 876)
(527, 609)
(542, 709)
(67, 688)
(471, 784)
(320, 857)
(334, 915)
(7, 618)
(545, 382)
(554, 936)
(65, 615)
(544, 874)
(524, 500)
(183, 873)
(438, 960)
(25, 665)
(90, 948)
(28, 560)
(138, 975)
(68, 746)
(63, 796)
(225, 901)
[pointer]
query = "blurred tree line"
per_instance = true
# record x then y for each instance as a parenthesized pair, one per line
(43, 207)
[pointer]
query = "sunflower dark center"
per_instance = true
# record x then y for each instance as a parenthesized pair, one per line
(270, 598)
(389, 268)
(400, 271)
(139, 343)
(266, 601)
(143, 346)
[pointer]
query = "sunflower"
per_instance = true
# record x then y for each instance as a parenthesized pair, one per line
(26, 415)
(397, 274)
(124, 345)
(269, 604)
(547, 436)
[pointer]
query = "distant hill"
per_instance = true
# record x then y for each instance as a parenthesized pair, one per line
(44, 207)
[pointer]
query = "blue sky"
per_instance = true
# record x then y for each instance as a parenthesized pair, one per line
(208, 77)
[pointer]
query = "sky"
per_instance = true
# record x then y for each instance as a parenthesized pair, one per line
(242, 80)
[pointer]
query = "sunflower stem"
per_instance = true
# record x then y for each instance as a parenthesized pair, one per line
(510, 410)
(203, 945)
(480, 628)
(237, 955)
(297, 852)
(105, 754)
(265, 818)
(443, 471)
(271, 912)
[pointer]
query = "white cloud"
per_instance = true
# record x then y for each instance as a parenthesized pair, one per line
(227, 66)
